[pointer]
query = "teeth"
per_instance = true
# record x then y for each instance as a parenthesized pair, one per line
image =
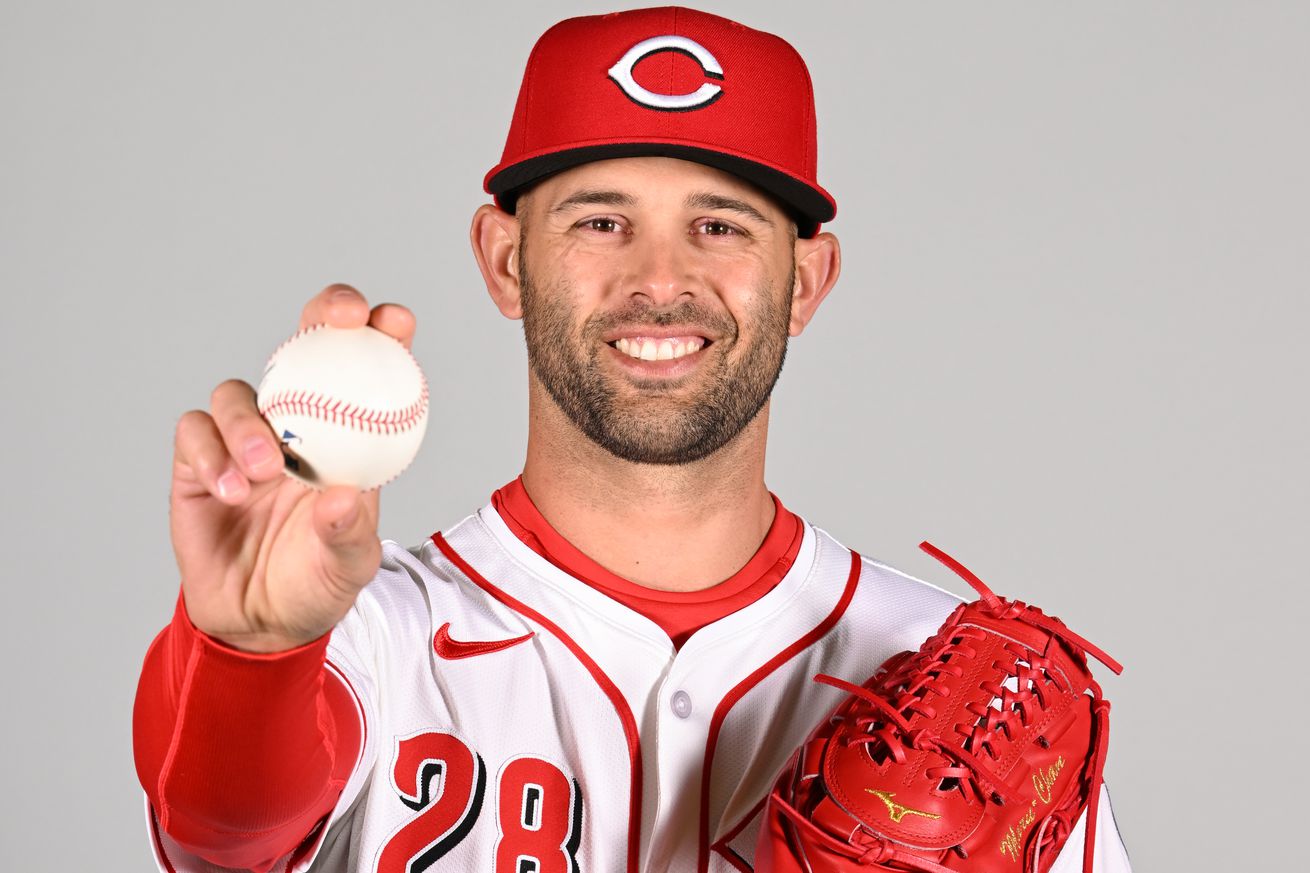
(647, 349)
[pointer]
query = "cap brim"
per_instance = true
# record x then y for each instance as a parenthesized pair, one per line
(809, 205)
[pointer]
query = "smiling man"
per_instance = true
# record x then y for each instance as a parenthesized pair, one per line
(606, 667)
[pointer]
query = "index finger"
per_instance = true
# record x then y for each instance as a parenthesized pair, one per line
(338, 305)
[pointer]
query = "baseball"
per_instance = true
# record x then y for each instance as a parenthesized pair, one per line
(349, 406)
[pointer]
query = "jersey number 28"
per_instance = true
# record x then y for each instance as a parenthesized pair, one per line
(538, 808)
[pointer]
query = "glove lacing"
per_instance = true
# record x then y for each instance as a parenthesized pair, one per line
(887, 730)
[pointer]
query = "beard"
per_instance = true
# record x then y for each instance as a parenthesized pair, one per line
(655, 425)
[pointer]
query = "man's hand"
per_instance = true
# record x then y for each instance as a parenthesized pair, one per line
(268, 564)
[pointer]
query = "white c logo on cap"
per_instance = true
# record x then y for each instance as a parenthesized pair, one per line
(706, 94)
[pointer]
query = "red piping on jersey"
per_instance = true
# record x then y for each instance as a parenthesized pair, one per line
(159, 841)
(722, 847)
(606, 685)
(730, 700)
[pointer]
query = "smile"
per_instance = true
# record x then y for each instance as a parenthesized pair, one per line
(647, 348)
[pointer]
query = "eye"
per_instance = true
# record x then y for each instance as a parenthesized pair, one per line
(601, 224)
(717, 227)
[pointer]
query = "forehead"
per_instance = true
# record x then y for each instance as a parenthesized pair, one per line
(651, 181)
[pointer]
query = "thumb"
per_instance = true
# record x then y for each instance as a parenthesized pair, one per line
(346, 523)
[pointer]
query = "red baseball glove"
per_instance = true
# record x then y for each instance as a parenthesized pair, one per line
(976, 753)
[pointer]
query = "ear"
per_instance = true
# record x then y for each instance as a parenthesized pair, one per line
(495, 238)
(818, 263)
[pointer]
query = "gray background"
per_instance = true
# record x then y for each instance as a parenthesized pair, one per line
(1067, 347)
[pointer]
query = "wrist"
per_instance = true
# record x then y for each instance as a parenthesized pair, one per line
(263, 643)
(251, 642)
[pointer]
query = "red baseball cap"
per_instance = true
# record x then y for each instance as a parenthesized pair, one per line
(670, 82)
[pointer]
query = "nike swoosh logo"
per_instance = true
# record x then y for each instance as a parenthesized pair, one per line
(452, 649)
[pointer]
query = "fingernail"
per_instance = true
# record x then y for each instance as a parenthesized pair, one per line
(230, 484)
(258, 452)
(342, 294)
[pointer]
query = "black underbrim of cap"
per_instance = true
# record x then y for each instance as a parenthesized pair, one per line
(807, 206)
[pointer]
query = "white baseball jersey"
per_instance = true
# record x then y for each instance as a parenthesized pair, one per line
(551, 729)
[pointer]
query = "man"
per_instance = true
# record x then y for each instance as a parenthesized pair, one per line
(606, 667)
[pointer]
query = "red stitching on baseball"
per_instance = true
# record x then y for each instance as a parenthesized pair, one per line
(330, 409)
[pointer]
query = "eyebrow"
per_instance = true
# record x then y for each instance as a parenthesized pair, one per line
(593, 197)
(707, 200)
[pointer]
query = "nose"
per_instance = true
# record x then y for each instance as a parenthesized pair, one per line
(661, 270)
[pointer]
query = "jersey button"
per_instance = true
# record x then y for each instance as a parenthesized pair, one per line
(681, 704)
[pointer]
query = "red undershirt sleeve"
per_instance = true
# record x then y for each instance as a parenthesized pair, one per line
(240, 754)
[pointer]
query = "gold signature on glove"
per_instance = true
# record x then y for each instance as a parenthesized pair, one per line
(1044, 780)
(896, 810)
